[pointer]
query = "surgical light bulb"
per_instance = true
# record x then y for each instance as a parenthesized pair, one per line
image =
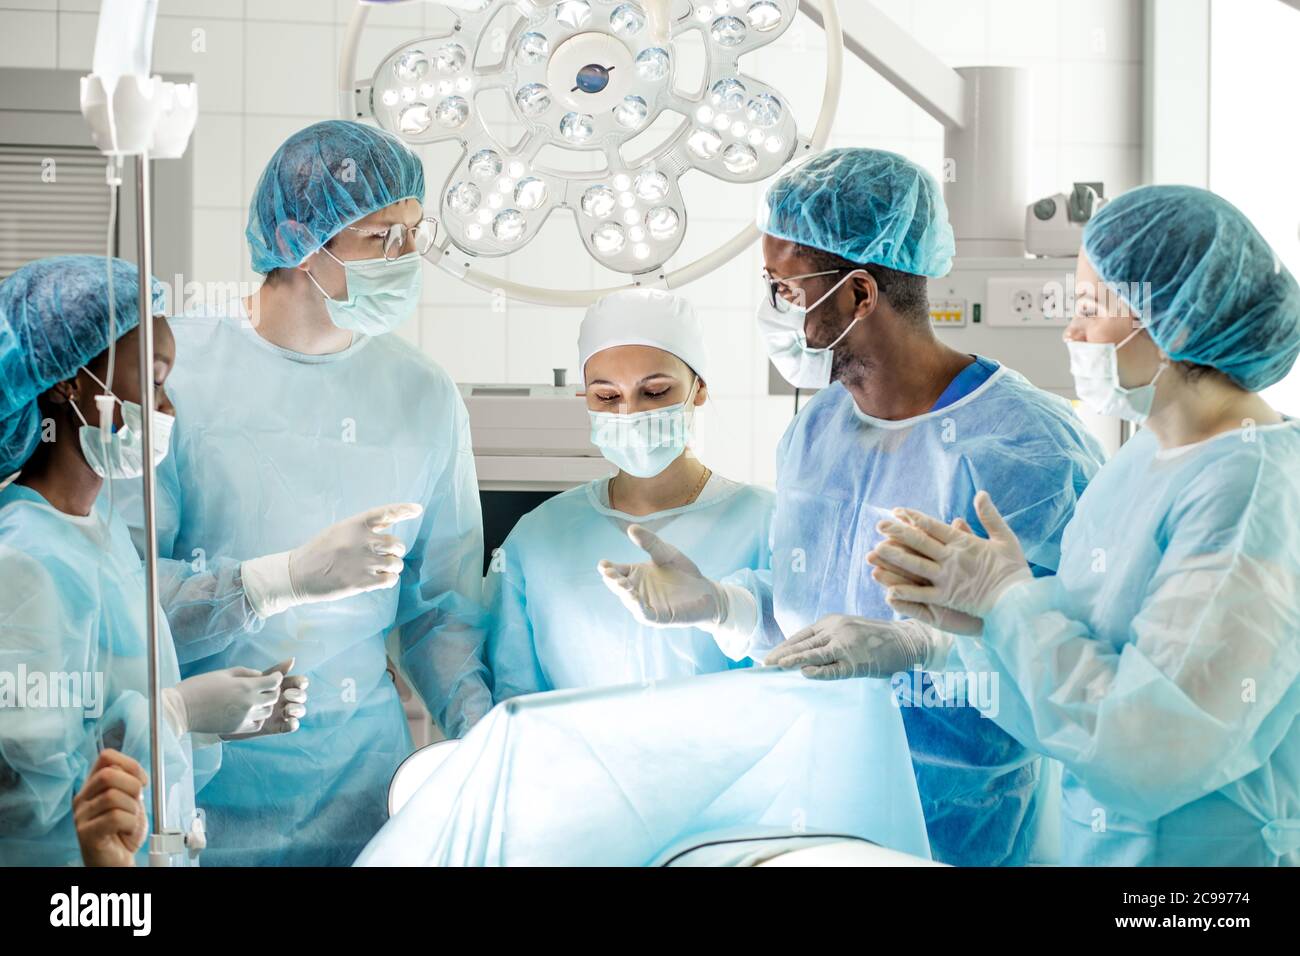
(704, 115)
(704, 143)
(452, 112)
(609, 239)
(636, 234)
(573, 13)
(764, 110)
(414, 119)
(410, 66)
(509, 225)
(449, 58)
(530, 193)
(773, 144)
(577, 127)
(703, 14)
(763, 16)
(755, 137)
(652, 64)
(464, 84)
(505, 184)
(533, 99)
(739, 158)
(662, 221)
(641, 251)
(408, 94)
(463, 198)
(728, 31)
(727, 94)
(631, 217)
(627, 19)
(516, 169)
(622, 181)
(474, 231)
(598, 202)
(721, 122)
(495, 200)
(390, 97)
(739, 129)
(652, 186)
(533, 48)
(428, 90)
(632, 112)
(485, 164)
(626, 200)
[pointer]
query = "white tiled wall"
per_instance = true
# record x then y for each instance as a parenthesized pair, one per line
(268, 67)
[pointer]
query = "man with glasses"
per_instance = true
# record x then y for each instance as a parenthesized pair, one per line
(901, 420)
(297, 415)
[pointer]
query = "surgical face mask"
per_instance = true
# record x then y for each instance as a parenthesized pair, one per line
(120, 454)
(1095, 368)
(643, 444)
(787, 346)
(382, 293)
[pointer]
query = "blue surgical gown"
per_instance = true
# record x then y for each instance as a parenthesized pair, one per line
(839, 472)
(269, 448)
(556, 625)
(1161, 665)
(72, 604)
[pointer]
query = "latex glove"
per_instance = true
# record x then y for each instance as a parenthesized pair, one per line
(840, 646)
(108, 812)
(231, 701)
(942, 618)
(290, 708)
(965, 572)
(345, 559)
(669, 590)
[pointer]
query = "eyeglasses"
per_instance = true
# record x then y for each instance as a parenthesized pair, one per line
(781, 295)
(395, 236)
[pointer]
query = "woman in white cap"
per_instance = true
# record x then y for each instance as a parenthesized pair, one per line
(555, 623)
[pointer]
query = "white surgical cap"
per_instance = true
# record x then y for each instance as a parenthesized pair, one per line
(644, 317)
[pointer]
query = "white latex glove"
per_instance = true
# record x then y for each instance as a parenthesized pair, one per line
(965, 572)
(345, 559)
(290, 707)
(669, 591)
(942, 618)
(840, 646)
(230, 701)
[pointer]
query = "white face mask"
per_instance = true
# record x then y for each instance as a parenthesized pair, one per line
(787, 346)
(645, 443)
(1095, 368)
(382, 293)
(120, 454)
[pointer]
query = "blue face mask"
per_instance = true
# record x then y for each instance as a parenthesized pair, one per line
(382, 293)
(643, 444)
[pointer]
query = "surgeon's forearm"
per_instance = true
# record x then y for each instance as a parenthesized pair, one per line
(206, 608)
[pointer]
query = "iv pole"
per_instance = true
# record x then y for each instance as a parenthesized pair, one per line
(132, 113)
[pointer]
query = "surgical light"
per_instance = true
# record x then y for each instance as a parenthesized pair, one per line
(588, 76)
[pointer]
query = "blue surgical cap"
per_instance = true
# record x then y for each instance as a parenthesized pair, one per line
(864, 205)
(53, 320)
(321, 179)
(1205, 284)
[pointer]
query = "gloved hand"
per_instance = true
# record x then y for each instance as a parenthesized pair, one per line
(230, 701)
(669, 591)
(289, 708)
(942, 618)
(840, 646)
(345, 559)
(965, 572)
(108, 812)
